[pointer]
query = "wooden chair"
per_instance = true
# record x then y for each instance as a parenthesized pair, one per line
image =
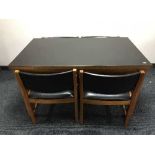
(53, 88)
(122, 90)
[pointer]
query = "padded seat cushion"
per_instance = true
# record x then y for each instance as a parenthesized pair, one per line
(97, 96)
(57, 95)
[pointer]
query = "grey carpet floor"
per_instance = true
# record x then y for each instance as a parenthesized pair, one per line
(58, 119)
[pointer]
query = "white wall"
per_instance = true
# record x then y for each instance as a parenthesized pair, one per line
(134, 19)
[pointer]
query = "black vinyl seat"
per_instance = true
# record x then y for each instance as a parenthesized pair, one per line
(56, 95)
(98, 96)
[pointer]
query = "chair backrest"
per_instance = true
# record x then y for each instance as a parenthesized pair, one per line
(109, 84)
(49, 83)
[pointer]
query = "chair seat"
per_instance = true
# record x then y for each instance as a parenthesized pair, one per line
(57, 95)
(98, 96)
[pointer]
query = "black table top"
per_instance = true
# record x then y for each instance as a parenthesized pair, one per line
(109, 51)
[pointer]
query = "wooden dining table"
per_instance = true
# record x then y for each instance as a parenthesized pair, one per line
(109, 54)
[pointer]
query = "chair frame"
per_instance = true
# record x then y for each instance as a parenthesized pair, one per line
(130, 103)
(31, 104)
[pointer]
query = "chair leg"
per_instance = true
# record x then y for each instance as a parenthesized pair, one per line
(30, 111)
(130, 112)
(33, 118)
(76, 111)
(127, 121)
(126, 118)
(134, 98)
(81, 113)
(25, 97)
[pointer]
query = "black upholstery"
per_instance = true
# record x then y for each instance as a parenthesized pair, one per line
(116, 97)
(56, 95)
(109, 84)
(48, 83)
